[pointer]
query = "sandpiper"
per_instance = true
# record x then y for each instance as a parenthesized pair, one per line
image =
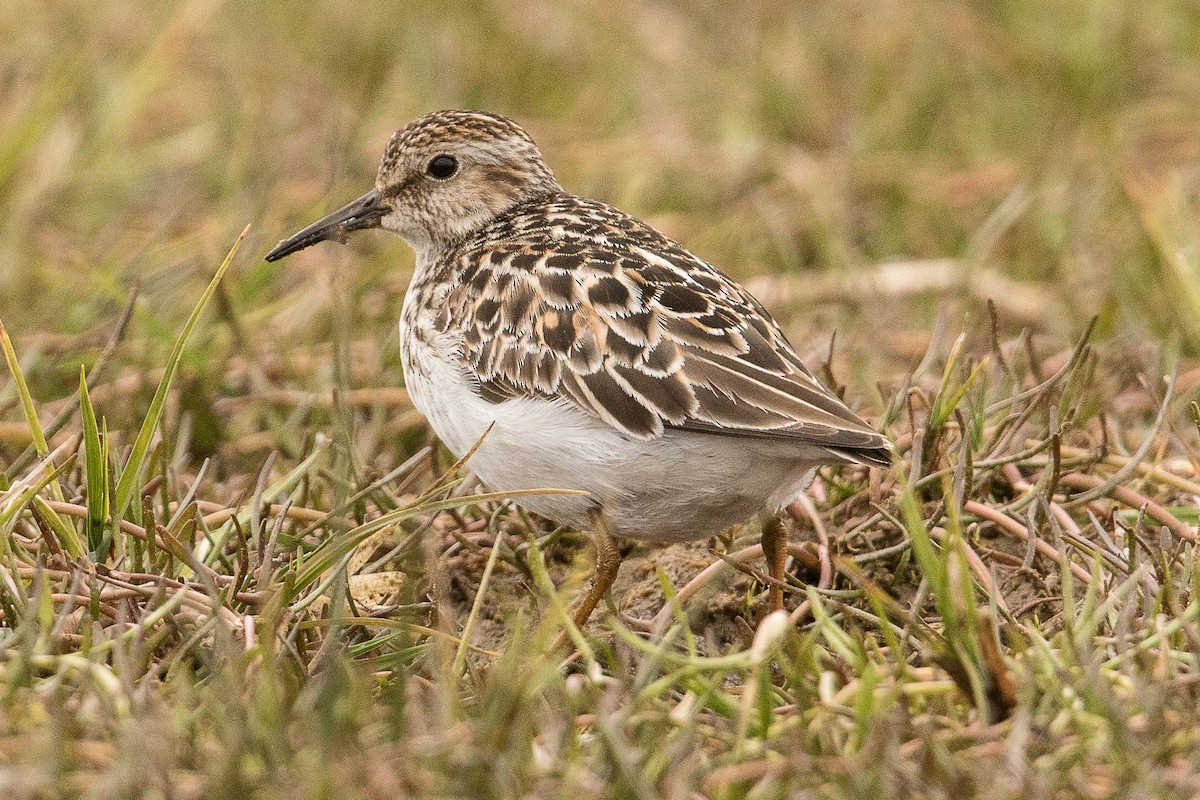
(593, 351)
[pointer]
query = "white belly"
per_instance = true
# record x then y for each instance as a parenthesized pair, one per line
(679, 486)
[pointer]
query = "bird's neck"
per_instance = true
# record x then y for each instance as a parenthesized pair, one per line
(432, 246)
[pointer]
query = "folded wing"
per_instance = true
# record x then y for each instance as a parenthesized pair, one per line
(624, 323)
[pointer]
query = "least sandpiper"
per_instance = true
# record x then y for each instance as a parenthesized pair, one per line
(589, 351)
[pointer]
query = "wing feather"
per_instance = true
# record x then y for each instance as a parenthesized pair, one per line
(597, 308)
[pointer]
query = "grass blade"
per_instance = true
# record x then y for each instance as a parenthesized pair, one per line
(96, 467)
(64, 529)
(128, 483)
(14, 367)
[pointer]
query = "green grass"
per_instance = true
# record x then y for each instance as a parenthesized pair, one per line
(291, 596)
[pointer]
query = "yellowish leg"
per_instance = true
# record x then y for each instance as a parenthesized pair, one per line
(774, 545)
(608, 562)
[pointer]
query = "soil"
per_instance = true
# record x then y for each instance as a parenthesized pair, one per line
(725, 612)
(722, 614)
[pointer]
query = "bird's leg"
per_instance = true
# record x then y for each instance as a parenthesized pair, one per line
(608, 562)
(774, 546)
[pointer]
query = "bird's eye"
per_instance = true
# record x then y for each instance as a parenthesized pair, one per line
(442, 167)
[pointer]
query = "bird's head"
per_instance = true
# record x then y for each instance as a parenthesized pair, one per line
(442, 176)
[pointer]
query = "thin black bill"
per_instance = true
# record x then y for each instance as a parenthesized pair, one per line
(363, 213)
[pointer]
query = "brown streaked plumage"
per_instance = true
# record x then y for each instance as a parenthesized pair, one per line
(598, 353)
(569, 297)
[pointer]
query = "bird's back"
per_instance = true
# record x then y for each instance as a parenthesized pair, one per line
(567, 298)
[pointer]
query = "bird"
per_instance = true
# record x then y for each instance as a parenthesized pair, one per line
(576, 347)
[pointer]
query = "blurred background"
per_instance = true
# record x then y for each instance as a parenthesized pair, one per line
(865, 167)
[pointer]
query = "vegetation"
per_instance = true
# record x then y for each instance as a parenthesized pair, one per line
(233, 563)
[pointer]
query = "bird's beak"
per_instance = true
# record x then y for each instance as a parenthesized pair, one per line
(363, 213)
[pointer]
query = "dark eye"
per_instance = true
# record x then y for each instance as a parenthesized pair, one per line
(442, 167)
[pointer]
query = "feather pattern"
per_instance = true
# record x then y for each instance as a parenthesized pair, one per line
(566, 298)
